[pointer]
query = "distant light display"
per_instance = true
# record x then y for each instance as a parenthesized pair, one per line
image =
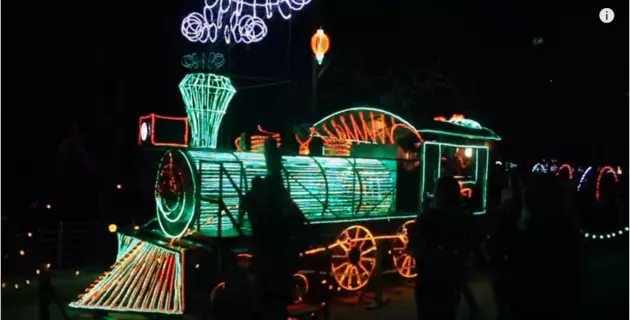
(540, 168)
(583, 178)
(567, 167)
(602, 172)
(239, 21)
(206, 97)
(537, 41)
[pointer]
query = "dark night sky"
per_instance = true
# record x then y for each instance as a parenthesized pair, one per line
(68, 61)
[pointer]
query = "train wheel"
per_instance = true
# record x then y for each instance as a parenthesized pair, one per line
(216, 291)
(404, 263)
(353, 257)
(244, 260)
(300, 282)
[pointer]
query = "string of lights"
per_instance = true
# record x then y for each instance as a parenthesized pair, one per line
(147, 278)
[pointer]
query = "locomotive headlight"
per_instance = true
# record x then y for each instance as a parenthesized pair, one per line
(468, 152)
(144, 131)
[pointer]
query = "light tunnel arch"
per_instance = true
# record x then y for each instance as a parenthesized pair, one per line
(602, 171)
(566, 167)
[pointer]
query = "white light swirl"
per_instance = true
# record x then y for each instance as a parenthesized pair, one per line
(240, 21)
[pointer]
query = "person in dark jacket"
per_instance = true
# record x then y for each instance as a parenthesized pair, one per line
(505, 249)
(276, 221)
(441, 244)
(250, 200)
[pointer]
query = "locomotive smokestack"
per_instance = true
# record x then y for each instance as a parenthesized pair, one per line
(207, 97)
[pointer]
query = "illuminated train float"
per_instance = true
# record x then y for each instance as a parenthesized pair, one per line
(369, 179)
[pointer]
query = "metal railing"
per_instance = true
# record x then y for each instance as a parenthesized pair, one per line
(62, 244)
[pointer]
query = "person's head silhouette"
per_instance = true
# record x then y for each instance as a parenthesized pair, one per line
(257, 183)
(447, 194)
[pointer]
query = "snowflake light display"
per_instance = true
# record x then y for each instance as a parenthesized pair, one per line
(241, 21)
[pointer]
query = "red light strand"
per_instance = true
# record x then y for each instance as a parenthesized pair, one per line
(258, 141)
(464, 191)
(603, 170)
(365, 131)
(153, 117)
(567, 167)
(237, 142)
(305, 149)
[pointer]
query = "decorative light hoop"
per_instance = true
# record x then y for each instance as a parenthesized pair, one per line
(567, 167)
(602, 171)
(583, 178)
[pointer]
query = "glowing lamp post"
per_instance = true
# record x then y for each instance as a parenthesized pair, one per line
(320, 43)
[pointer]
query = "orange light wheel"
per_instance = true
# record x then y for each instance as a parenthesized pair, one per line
(353, 257)
(300, 282)
(404, 263)
(216, 291)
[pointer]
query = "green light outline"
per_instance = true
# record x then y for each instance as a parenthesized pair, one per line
(494, 136)
(423, 159)
(392, 217)
(484, 189)
(476, 147)
(206, 96)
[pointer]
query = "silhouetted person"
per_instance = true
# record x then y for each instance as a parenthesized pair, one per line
(249, 201)
(276, 220)
(551, 264)
(504, 247)
(74, 169)
(441, 243)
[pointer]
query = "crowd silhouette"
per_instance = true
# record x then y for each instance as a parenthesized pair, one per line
(530, 240)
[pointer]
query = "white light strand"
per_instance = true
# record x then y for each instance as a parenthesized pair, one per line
(240, 21)
(582, 179)
(211, 61)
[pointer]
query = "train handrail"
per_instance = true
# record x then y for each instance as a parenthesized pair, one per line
(325, 205)
(221, 204)
(223, 207)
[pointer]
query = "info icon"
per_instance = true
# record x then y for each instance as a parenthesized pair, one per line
(606, 15)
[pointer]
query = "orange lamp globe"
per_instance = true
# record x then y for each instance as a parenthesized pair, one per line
(320, 43)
